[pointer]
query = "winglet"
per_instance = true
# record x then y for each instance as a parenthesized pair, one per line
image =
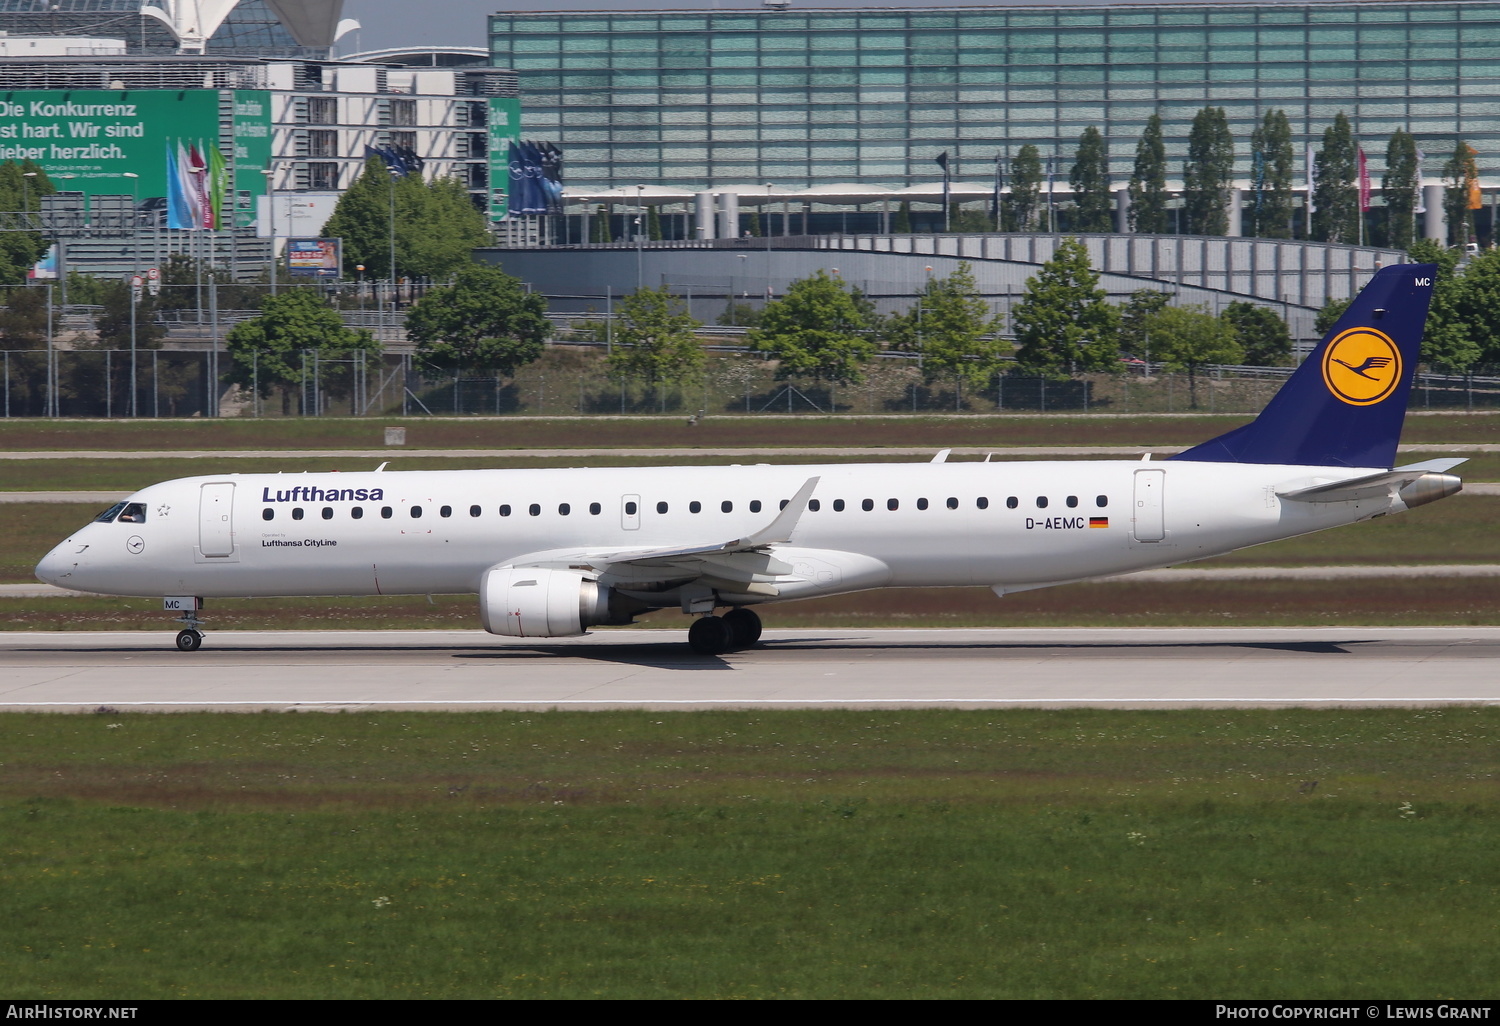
(780, 529)
(942, 456)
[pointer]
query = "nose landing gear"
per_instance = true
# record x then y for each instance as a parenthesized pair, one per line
(190, 638)
(715, 635)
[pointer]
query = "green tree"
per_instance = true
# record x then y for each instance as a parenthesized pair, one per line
(437, 225)
(1063, 323)
(1478, 303)
(1460, 194)
(1020, 209)
(19, 250)
(818, 330)
(113, 322)
(1262, 335)
(655, 340)
(1134, 315)
(599, 225)
(952, 329)
(1089, 179)
(1399, 187)
(653, 223)
(1271, 179)
(902, 225)
(1449, 342)
(1148, 181)
(23, 335)
(1208, 173)
(1336, 195)
(973, 221)
(1188, 338)
(273, 350)
(484, 321)
(1329, 315)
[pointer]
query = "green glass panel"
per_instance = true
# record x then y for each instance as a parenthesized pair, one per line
(1231, 72)
(634, 24)
(730, 22)
(535, 25)
(882, 60)
(733, 41)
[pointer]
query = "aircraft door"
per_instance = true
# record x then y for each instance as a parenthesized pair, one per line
(630, 512)
(216, 519)
(1147, 523)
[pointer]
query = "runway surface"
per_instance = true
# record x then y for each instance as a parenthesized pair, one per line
(1254, 667)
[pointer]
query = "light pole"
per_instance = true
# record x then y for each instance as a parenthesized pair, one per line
(393, 243)
(26, 198)
(135, 276)
(640, 231)
(270, 174)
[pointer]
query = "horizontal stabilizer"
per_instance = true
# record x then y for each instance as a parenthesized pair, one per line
(1430, 475)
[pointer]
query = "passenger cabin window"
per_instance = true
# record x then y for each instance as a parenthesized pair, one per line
(595, 509)
(838, 505)
(1072, 501)
(1011, 502)
(1041, 502)
(1101, 501)
(982, 502)
(892, 504)
(867, 504)
(754, 505)
(921, 504)
(445, 511)
(534, 509)
(631, 509)
(297, 513)
(268, 514)
(726, 506)
(952, 502)
(695, 506)
(505, 511)
(814, 505)
(563, 509)
(473, 511)
(784, 503)
(416, 512)
(109, 515)
(327, 512)
(385, 512)
(357, 513)
(661, 507)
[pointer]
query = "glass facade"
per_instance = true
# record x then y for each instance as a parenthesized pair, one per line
(801, 98)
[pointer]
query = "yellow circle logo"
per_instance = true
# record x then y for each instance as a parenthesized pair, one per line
(1362, 366)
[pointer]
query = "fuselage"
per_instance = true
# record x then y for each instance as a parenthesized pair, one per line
(1011, 526)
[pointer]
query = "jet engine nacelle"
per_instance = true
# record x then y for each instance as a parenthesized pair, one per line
(541, 603)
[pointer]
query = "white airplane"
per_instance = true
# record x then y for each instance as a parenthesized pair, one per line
(552, 553)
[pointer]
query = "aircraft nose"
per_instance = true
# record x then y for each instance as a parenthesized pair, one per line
(57, 566)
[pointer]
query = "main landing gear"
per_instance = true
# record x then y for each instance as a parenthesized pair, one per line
(715, 635)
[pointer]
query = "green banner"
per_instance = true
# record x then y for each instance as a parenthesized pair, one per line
(86, 141)
(505, 128)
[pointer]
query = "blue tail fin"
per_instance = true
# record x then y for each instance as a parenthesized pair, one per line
(1344, 406)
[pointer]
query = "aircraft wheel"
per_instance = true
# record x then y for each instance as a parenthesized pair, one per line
(744, 627)
(710, 635)
(189, 641)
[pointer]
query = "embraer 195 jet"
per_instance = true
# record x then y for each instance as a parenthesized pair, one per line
(552, 553)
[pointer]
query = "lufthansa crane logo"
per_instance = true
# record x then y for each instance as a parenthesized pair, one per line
(1362, 366)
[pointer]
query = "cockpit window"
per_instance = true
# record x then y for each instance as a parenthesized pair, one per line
(123, 512)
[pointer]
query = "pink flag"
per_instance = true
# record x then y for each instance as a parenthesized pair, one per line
(1364, 181)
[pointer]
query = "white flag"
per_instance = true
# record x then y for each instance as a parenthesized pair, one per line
(1312, 179)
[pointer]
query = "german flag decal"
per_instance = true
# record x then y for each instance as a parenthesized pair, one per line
(1098, 521)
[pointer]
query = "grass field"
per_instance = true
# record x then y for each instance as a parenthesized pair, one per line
(654, 432)
(1225, 854)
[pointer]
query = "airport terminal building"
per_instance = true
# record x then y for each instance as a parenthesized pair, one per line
(805, 98)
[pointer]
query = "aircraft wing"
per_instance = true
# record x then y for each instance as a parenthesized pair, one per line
(741, 565)
(1368, 487)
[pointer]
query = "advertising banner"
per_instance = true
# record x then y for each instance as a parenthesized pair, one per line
(504, 129)
(535, 178)
(87, 140)
(314, 258)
